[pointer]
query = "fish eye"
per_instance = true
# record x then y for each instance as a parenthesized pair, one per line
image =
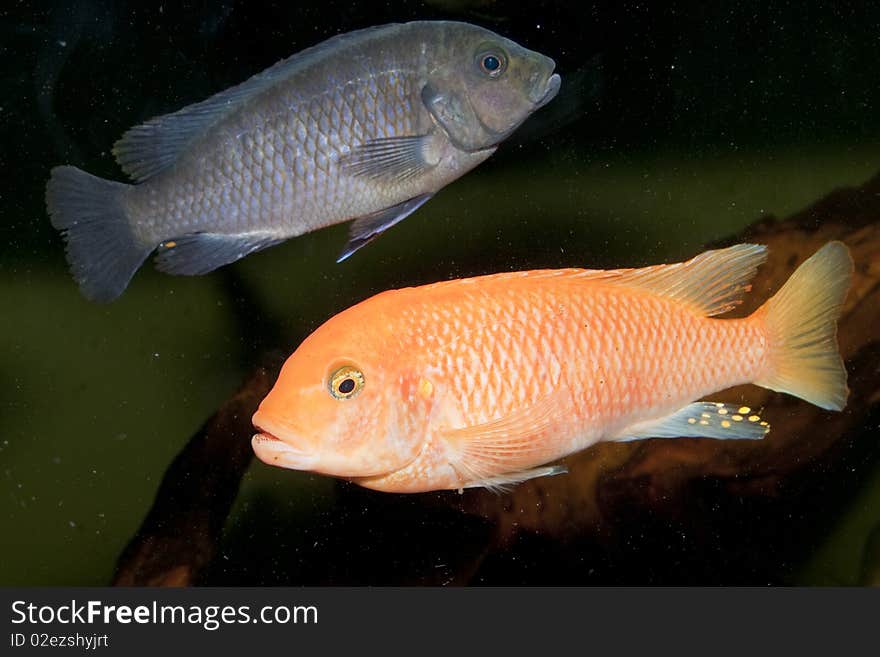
(492, 63)
(346, 382)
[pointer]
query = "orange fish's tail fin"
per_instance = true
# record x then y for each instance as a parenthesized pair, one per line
(801, 325)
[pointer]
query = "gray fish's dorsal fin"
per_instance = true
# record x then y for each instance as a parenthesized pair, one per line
(153, 146)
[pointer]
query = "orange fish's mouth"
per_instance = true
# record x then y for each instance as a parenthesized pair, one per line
(274, 451)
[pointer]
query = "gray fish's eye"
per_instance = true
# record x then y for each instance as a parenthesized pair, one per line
(492, 63)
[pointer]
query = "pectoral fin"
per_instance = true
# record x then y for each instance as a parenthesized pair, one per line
(503, 450)
(390, 158)
(702, 420)
(364, 230)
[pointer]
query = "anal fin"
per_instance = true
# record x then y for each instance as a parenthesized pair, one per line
(701, 420)
(364, 230)
(199, 253)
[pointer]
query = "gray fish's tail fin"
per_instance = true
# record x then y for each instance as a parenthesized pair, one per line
(102, 250)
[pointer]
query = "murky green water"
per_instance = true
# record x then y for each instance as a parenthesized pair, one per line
(709, 120)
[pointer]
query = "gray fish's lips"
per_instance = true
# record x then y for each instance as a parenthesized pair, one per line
(550, 91)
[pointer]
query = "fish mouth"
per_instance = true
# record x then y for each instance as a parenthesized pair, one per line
(551, 88)
(273, 451)
(548, 93)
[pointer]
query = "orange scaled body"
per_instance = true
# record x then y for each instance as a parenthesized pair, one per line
(484, 381)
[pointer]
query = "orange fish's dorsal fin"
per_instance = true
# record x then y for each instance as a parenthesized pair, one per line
(713, 282)
(502, 447)
(508, 276)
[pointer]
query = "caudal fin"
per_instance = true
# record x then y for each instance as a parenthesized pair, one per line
(801, 321)
(102, 251)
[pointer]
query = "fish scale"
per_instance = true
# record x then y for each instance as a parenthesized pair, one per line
(250, 167)
(591, 336)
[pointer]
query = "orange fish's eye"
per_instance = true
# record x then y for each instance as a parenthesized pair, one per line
(346, 382)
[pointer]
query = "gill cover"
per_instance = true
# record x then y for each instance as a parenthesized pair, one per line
(455, 114)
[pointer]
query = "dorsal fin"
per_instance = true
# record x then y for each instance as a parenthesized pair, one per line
(149, 148)
(712, 282)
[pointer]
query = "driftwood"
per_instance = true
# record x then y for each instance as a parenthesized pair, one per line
(681, 511)
(178, 537)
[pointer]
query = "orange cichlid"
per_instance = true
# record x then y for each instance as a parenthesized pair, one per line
(484, 381)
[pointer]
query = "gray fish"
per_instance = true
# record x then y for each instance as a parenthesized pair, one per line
(366, 126)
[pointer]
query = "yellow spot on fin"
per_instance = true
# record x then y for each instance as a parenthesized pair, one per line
(169, 245)
(684, 423)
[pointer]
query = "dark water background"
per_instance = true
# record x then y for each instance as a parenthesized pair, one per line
(697, 119)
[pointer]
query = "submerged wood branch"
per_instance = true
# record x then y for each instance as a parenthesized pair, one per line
(178, 537)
